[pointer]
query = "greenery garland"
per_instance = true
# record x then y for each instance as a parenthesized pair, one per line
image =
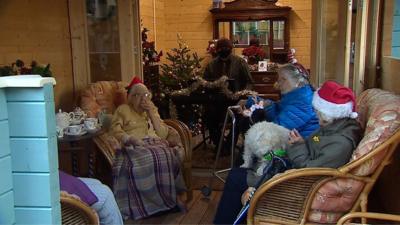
(221, 83)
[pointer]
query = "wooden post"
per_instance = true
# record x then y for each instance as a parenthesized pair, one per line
(32, 142)
(7, 215)
(79, 44)
(361, 38)
(129, 30)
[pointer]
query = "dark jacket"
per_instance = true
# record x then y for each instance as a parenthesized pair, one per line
(331, 146)
(295, 111)
(234, 67)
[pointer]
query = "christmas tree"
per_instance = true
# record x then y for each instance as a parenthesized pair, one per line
(182, 67)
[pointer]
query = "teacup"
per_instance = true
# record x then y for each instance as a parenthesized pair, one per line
(74, 129)
(91, 123)
(60, 131)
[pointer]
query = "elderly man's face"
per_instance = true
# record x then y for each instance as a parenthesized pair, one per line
(137, 96)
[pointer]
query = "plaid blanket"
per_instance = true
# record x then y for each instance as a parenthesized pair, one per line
(146, 178)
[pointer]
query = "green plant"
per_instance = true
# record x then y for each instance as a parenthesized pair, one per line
(18, 68)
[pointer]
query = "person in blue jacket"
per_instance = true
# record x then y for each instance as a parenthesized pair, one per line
(294, 111)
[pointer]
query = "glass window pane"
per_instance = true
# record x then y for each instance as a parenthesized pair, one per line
(279, 34)
(103, 39)
(243, 32)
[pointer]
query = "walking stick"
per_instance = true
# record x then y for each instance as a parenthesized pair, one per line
(246, 206)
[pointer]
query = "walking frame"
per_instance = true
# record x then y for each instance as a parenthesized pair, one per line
(206, 190)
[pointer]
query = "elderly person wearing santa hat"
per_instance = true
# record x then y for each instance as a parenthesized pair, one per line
(146, 171)
(330, 146)
(333, 144)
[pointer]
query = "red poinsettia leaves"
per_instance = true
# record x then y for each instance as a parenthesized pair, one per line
(254, 51)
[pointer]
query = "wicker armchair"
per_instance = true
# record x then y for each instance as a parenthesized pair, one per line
(369, 215)
(108, 95)
(74, 211)
(324, 195)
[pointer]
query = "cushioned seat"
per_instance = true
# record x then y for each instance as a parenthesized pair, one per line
(323, 195)
(106, 96)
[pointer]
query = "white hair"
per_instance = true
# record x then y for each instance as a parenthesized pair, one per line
(295, 76)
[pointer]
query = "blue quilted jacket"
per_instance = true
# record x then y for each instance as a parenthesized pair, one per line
(293, 111)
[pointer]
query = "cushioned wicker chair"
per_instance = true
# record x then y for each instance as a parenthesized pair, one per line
(324, 195)
(369, 215)
(107, 96)
(74, 211)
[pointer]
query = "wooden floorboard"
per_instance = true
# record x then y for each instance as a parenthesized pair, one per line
(177, 218)
(208, 216)
(195, 215)
(201, 210)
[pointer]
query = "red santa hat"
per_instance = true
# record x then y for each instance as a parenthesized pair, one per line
(135, 80)
(335, 101)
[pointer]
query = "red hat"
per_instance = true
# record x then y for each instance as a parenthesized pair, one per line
(135, 80)
(335, 101)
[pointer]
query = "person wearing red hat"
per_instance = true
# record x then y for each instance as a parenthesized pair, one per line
(331, 146)
(146, 170)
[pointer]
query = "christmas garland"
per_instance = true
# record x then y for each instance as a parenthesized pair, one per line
(220, 83)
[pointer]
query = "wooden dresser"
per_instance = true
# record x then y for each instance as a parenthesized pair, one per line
(264, 84)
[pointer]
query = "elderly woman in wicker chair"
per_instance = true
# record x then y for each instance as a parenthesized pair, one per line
(146, 170)
(331, 146)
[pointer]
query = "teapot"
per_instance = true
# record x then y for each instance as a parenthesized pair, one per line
(77, 116)
(63, 119)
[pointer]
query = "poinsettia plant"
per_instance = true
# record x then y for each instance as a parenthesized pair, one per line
(254, 53)
(150, 55)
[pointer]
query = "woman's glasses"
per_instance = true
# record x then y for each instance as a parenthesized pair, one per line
(137, 95)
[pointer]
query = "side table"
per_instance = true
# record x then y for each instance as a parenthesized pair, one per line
(79, 144)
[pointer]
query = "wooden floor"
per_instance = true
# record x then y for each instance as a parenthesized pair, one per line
(201, 210)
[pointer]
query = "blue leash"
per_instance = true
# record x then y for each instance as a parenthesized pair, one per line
(246, 206)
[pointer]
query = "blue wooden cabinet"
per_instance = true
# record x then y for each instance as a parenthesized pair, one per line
(29, 187)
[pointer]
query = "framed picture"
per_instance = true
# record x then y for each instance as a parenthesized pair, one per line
(262, 66)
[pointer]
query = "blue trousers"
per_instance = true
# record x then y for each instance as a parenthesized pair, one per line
(230, 203)
(106, 207)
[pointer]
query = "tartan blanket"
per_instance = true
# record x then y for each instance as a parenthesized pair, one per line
(146, 178)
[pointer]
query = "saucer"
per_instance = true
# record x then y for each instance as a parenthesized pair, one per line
(92, 131)
(83, 131)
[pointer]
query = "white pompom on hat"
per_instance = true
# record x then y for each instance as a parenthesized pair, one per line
(335, 101)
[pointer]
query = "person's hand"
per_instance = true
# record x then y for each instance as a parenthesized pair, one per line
(247, 194)
(295, 137)
(246, 113)
(267, 102)
(132, 141)
(146, 105)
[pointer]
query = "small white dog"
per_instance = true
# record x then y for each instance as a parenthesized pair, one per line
(260, 139)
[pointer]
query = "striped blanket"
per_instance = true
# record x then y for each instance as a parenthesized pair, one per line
(146, 179)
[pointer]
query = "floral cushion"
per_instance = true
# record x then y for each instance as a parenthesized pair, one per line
(382, 108)
(102, 95)
(379, 115)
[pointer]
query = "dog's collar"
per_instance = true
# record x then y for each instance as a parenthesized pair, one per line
(278, 152)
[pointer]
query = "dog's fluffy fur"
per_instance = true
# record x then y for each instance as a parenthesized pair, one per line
(261, 138)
